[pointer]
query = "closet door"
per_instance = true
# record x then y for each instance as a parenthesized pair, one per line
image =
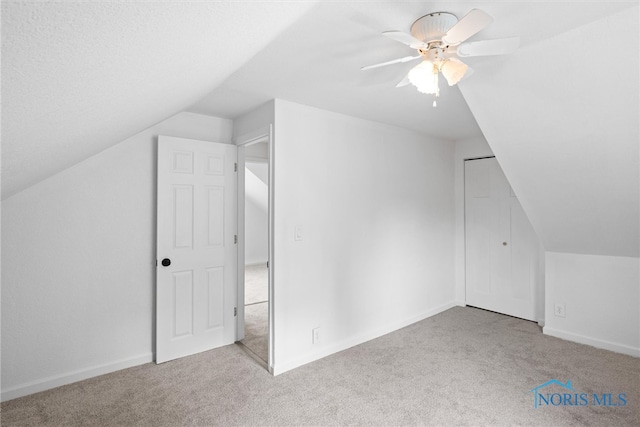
(502, 248)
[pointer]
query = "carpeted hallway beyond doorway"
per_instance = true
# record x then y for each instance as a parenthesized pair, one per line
(462, 367)
(256, 309)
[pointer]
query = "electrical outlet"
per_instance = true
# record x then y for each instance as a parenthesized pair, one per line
(316, 335)
(559, 310)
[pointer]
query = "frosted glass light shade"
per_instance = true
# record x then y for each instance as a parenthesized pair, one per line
(424, 76)
(453, 70)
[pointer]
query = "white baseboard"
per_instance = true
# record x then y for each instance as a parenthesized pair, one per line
(359, 339)
(595, 342)
(72, 377)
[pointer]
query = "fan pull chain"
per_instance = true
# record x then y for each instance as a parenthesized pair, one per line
(437, 93)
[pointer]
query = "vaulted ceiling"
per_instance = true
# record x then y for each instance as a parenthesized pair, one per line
(317, 61)
(79, 77)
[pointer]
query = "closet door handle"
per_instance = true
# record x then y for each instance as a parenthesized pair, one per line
(166, 262)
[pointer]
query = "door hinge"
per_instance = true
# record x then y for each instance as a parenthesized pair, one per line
(235, 167)
(235, 239)
(235, 311)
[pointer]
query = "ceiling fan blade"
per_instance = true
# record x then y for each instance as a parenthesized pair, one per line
(404, 81)
(469, 25)
(489, 47)
(405, 38)
(394, 61)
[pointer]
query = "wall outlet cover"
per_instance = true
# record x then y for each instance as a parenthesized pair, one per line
(559, 309)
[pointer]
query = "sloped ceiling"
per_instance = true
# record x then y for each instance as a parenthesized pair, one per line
(317, 61)
(562, 116)
(78, 77)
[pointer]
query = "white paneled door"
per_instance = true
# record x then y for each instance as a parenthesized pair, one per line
(502, 249)
(196, 248)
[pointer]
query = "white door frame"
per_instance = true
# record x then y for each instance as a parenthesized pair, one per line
(261, 135)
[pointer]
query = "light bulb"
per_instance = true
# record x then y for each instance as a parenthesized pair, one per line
(453, 70)
(424, 77)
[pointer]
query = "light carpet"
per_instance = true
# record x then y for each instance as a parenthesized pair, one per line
(256, 284)
(256, 322)
(256, 330)
(464, 366)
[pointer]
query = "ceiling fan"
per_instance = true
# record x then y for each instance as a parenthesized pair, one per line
(439, 38)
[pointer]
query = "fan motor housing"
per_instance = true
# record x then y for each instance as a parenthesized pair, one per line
(432, 27)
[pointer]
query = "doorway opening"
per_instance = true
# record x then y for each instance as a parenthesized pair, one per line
(256, 255)
(255, 300)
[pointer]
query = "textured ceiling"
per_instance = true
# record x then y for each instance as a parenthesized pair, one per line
(79, 77)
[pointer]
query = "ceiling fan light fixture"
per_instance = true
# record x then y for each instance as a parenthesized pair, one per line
(438, 37)
(424, 77)
(453, 70)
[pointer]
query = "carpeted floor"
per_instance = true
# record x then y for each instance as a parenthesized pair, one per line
(256, 330)
(256, 284)
(256, 322)
(462, 367)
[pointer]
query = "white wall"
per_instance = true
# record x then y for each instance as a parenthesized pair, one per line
(78, 257)
(253, 124)
(601, 296)
(376, 208)
(256, 218)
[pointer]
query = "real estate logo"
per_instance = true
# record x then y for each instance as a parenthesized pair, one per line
(569, 396)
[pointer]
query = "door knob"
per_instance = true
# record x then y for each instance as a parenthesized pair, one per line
(166, 262)
(504, 243)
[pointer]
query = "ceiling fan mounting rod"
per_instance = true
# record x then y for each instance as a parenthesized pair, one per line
(433, 45)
